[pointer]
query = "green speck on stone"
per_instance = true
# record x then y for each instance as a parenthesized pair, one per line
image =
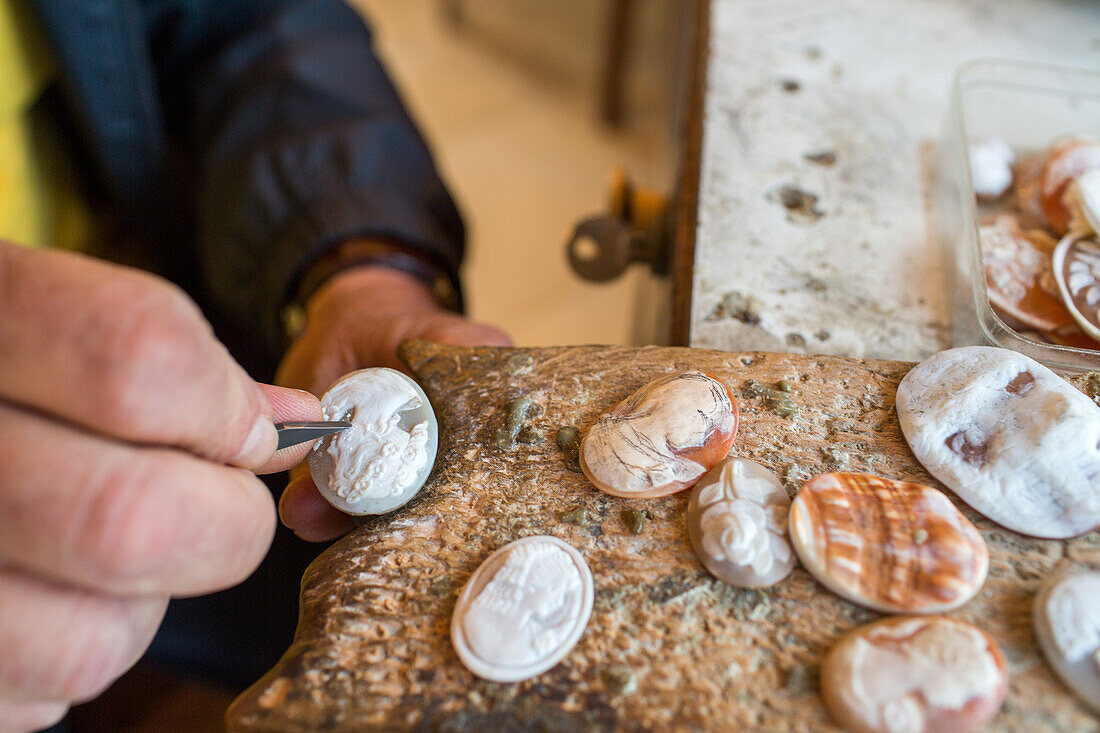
(1092, 386)
(569, 440)
(529, 435)
(515, 412)
(920, 536)
(635, 520)
(620, 680)
(578, 515)
(800, 680)
(775, 399)
(519, 364)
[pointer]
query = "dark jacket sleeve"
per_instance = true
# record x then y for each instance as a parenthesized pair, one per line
(296, 140)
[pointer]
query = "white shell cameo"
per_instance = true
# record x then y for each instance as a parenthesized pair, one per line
(737, 521)
(991, 161)
(914, 675)
(379, 463)
(522, 610)
(1009, 436)
(1067, 624)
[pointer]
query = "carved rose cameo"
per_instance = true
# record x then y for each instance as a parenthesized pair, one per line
(737, 521)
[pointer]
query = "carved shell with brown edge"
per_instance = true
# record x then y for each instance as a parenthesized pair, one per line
(662, 438)
(928, 674)
(737, 522)
(891, 546)
(1066, 615)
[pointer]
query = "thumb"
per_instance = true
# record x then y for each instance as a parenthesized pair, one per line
(290, 404)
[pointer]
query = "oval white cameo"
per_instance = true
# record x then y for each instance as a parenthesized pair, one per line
(379, 463)
(522, 610)
(1009, 436)
(1067, 623)
(737, 521)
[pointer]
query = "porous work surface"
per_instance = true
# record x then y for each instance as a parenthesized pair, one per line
(668, 646)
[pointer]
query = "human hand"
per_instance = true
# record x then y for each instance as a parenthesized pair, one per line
(127, 435)
(355, 321)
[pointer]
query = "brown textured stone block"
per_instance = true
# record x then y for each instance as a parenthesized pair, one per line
(668, 646)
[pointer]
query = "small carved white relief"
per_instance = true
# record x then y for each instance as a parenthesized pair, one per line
(737, 520)
(991, 161)
(1067, 623)
(388, 450)
(896, 676)
(523, 609)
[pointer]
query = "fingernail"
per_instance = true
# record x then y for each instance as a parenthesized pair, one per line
(260, 444)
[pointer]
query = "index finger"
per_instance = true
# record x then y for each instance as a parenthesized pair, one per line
(125, 354)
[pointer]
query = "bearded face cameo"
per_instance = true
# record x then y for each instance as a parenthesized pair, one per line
(1010, 437)
(1067, 623)
(522, 610)
(379, 463)
(914, 675)
(737, 521)
(662, 438)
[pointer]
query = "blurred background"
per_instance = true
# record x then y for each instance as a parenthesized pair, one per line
(513, 97)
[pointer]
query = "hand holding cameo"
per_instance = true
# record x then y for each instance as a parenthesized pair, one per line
(125, 433)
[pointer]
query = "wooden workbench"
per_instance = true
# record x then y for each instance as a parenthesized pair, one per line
(668, 646)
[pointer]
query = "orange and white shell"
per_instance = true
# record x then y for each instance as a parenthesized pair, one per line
(1010, 437)
(1018, 274)
(523, 609)
(892, 546)
(662, 438)
(1083, 200)
(1066, 615)
(914, 675)
(1064, 164)
(1076, 266)
(737, 522)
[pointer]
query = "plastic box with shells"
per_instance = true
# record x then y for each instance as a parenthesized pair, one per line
(1029, 107)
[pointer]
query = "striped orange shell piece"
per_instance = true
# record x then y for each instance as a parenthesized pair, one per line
(892, 546)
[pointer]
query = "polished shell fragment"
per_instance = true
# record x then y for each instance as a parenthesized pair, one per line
(914, 675)
(1010, 437)
(892, 546)
(1083, 200)
(522, 610)
(662, 438)
(1018, 274)
(737, 522)
(1067, 623)
(384, 458)
(1077, 271)
(1064, 164)
(991, 161)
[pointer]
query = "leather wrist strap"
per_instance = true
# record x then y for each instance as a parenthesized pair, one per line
(369, 253)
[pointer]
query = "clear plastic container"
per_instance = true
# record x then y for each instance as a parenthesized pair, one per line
(1028, 106)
